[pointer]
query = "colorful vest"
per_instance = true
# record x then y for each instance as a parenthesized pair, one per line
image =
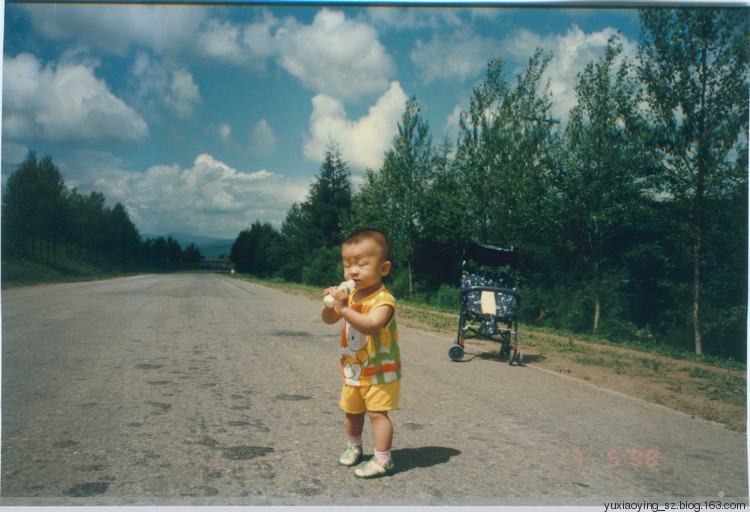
(374, 359)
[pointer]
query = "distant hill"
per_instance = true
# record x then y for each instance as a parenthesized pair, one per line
(210, 247)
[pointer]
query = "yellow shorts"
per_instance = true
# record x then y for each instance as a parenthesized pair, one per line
(378, 397)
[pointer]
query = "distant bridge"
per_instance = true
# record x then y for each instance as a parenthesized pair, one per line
(220, 264)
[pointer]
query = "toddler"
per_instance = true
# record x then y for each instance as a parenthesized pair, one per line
(370, 359)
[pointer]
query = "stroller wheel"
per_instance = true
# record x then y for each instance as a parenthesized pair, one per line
(511, 356)
(456, 352)
(519, 358)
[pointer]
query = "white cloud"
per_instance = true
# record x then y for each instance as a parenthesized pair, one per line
(115, 28)
(257, 36)
(363, 141)
(64, 102)
(334, 56)
(182, 94)
(399, 18)
(209, 198)
(572, 52)
(222, 40)
(459, 56)
(225, 133)
(158, 83)
(239, 44)
(166, 30)
(235, 44)
(262, 139)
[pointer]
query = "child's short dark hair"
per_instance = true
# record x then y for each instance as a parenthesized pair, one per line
(373, 234)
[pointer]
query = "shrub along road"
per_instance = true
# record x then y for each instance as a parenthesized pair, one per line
(202, 389)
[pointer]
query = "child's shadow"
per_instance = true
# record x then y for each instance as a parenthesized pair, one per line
(411, 458)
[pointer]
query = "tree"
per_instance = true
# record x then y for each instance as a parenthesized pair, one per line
(34, 205)
(317, 221)
(172, 253)
(51, 204)
(192, 254)
(255, 250)
(598, 186)
(91, 217)
(502, 148)
(330, 197)
(694, 65)
(445, 221)
(393, 200)
(122, 238)
(473, 154)
(405, 173)
(18, 214)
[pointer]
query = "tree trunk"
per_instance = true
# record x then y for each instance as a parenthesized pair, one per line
(597, 310)
(696, 313)
(697, 289)
(699, 191)
(697, 250)
(411, 283)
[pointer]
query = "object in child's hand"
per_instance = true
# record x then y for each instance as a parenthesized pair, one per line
(346, 285)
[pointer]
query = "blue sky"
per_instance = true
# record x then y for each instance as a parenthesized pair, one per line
(203, 119)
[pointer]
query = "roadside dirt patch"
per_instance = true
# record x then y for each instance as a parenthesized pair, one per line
(695, 388)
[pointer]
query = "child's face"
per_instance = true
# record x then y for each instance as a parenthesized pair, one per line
(365, 264)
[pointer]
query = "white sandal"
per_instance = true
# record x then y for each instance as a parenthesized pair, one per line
(351, 455)
(374, 469)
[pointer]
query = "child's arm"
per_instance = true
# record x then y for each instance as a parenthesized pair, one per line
(370, 323)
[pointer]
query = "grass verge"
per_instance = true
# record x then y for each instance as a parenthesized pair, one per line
(22, 272)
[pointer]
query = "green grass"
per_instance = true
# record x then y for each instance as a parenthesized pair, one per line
(718, 385)
(614, 362)
(25, 272)
(568, 347)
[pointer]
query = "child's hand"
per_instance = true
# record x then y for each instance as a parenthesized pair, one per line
(329, 297)
(339, 295)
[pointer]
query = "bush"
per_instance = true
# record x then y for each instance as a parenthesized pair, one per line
(397, 283)
(447, 297)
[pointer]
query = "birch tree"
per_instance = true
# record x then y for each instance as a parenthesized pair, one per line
(694, 65)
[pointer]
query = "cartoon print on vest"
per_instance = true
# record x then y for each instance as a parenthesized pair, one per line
(355, 353)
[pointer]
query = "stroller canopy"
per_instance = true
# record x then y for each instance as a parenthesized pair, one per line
(490, 255)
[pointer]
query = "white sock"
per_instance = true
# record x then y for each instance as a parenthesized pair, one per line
(383, 457)
(355, 441)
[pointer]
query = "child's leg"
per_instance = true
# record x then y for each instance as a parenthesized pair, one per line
(382, 430)
(354, 423)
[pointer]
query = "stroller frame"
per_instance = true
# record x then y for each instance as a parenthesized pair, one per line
(502, 324)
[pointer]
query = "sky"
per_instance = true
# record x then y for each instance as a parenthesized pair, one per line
(205, 119)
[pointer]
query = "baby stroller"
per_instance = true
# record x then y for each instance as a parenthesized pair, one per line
(489, 302)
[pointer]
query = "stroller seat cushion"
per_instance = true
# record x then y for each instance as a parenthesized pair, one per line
(505, 304)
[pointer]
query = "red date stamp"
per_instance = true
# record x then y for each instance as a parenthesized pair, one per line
(630, 457)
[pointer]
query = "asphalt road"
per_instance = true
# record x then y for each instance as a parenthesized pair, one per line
(202, 389)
